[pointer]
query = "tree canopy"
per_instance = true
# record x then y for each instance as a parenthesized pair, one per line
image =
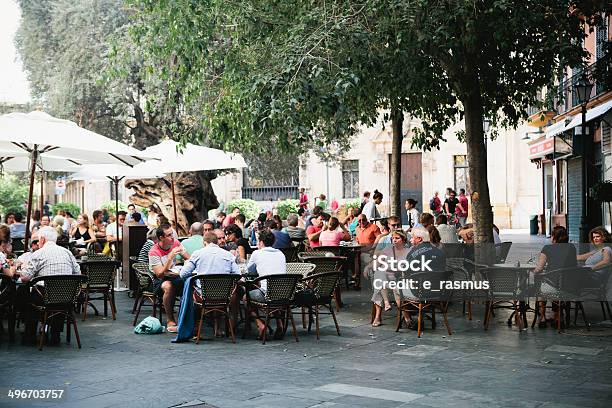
(301, 74)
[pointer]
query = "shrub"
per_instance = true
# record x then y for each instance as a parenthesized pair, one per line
(110, 206)
(353, 204)
(248, 207)
(73, 209)
(287, 207)
(13, 193)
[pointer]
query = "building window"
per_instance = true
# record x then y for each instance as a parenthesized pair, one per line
(461, 172)
(601, 38)
(350, 178)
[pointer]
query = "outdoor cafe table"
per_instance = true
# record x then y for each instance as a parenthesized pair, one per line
(354, 250)
(525, 282)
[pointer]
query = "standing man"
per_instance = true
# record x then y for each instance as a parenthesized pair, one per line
(462, 207)
(364, 201)
(450, 204)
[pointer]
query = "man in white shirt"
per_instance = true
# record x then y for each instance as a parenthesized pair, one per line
(210, 260)
(114, 232)
(448, 234)
(266, 261)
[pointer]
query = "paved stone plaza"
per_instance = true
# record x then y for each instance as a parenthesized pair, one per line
(364, 367)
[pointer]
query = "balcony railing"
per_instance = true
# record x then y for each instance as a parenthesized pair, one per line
(599, 73)
(270, 193)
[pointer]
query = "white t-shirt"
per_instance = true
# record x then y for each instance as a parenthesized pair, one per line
(267, 261)
(413, 217)
(111, 229)
(370, 210)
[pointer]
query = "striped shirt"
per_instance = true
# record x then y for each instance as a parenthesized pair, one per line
(50, 260)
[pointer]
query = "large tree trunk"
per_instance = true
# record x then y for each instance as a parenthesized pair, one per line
(482, 213)
(194, 196)
(397, 122)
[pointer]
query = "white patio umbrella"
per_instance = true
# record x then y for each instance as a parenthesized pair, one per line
(112, 172)
(40, 135)
(191, 158)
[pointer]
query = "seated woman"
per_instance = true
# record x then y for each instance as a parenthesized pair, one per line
(601, 256)
(82, 232)
(559, 254)
(333, 233)
(398, 250)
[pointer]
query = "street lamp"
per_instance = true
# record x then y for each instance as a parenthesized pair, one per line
(583, 89)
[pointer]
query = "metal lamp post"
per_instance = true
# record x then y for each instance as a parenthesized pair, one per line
(583, 93)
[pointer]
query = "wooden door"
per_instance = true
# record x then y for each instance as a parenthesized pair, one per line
(411, 183)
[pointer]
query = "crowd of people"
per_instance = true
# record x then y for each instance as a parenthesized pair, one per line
(222, 244)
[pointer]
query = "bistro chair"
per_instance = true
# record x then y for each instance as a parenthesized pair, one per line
(7, 304)
(303, 269)
(318, 292)
(504, 292)
(291, 253)
(278, 300)
(564, 286)
(92, 256)
(329, 264)
(504, 250)
(58, 298)
(145, 292)
(340, 251)
(18, 245)
(424, 300)
(100, 274)
(215, 298)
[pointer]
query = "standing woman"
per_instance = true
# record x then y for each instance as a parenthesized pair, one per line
(82, 231)
(370, 210)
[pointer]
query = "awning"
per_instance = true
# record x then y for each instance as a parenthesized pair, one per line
(576, 120)
(541, 147)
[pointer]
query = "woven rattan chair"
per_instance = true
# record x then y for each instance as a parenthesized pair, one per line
(424, 300)
(7, 305)
(504, 250)
(278, 300)
(303, 269)
(320, 288)
(145, 291)
(329, 264)
(98, 257)
(215, 299)
(59, 296)
(504, 292)
(291, 253)
(565, 285)
(100, 276)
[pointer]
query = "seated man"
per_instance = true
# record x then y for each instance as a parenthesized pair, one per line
(195, 241)
(162, 261)
(50, 259)
(292, 228)
(313, 231)
(266, 261)
(210, 259)
(448, 233)
(133, 215)
(432, 258)
(114, 232)
(18, 228)
(281, 239)
(24, 259)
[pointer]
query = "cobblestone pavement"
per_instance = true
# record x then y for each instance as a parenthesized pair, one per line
(502, 367)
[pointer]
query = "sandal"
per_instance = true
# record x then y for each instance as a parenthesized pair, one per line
(376, 324)
(172, 329)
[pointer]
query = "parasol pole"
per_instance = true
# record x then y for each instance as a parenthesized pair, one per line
(34, 158)
(174, 200)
